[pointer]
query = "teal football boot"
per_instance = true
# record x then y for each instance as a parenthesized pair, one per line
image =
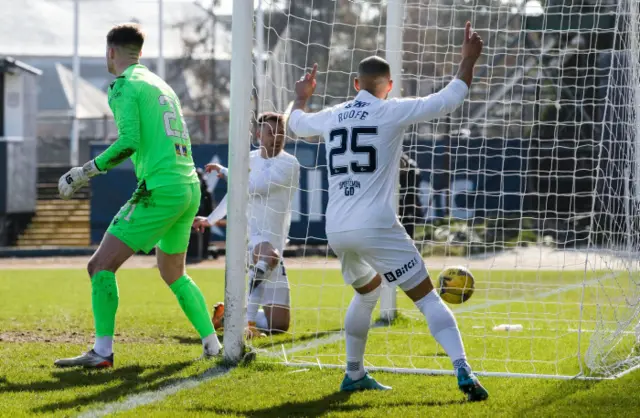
(366, 383)
(470, 385)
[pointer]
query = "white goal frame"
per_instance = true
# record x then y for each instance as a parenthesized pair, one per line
(238, 197)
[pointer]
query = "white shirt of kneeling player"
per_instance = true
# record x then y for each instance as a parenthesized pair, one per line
(273, 183)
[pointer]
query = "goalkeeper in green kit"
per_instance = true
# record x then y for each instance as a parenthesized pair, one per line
(152, 132)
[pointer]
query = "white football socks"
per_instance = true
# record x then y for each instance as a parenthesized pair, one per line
(443, 327)
(356, 326)
(211, 345)
(103, 346)
(261, 271)
(261, 321)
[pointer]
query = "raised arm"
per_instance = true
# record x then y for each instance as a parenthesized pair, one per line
(409, 111)
(124, 104)
(304, 124)
(471, 51)
(304, 89)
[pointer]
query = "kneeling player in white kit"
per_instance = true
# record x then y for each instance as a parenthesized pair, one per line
(273, 179)
(363, 140)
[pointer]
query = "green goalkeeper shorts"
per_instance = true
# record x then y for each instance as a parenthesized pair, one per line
(161, 216)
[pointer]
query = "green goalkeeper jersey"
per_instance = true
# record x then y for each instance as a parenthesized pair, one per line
(151, 130)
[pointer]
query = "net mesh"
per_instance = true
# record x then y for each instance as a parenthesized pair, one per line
(533, 183)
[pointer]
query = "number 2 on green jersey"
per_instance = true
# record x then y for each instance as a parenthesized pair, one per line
(172, 115)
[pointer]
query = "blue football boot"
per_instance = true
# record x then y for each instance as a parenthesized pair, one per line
(470, 385)
(366, 383)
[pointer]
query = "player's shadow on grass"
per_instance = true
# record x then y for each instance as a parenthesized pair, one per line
(131, 380)
(181, 339)
(281, 338)
(285, 338)
(561, 390)
(335, 402)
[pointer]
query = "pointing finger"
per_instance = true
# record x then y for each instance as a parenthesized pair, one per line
(467, 31)
(314, 71)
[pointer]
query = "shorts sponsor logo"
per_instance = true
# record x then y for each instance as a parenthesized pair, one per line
(394, 275)
(390, 277)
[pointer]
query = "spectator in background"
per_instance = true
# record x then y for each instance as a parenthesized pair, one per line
(409, 209)
(199, 241)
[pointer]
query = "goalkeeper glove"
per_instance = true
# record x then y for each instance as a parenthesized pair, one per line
(76, 178)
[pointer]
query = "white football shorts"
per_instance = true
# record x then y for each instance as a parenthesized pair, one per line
(389, 252)
(276, 287)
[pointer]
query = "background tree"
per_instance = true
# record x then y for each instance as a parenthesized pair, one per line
(208, 79)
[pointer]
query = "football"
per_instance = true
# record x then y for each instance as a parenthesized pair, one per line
(455, 284)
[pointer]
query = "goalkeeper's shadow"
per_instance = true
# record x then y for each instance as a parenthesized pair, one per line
(115, 383)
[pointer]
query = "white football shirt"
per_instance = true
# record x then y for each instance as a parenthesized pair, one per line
(363, 139)
(273, 183)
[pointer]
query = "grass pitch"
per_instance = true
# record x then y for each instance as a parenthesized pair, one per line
(47, 314)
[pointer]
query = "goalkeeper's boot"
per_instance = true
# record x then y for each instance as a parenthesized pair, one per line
(252, 332)
(470, 385)
(88, 360)
(218, 317)
(366, 383)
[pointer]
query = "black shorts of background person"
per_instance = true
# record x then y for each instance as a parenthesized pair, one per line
(409, 209)
(199, 241)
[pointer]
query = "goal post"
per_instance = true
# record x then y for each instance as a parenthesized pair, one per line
(532, 184)
(238, 182)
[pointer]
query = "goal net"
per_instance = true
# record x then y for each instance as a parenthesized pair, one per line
(533, 184)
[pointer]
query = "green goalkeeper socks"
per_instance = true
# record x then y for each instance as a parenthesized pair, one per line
(193, 304)
(104, 301)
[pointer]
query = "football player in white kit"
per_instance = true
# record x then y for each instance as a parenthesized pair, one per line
(273, 180)
(363, 139)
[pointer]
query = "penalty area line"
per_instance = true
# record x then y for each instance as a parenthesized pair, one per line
(153, 396)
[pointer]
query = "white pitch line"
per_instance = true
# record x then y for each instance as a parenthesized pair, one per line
(150, 397)
(340, 335)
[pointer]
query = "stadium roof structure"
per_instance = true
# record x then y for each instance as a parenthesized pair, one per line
(10, 65)
(92, 102)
